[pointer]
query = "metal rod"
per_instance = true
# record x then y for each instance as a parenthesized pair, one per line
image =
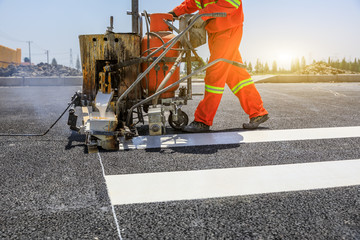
(168, 75)
(188, 43)
(140, 20)
(188, 71)
(155, 48)
(236, 64)
(160, 48)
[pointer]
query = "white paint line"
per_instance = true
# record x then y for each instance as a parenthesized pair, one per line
(220, 138)
(112, 205)
(203, 184)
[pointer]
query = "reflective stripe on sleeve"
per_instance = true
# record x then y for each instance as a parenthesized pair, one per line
(242, 84)
(212, 89)
(198, 4)
(235, 3)
(209, 3)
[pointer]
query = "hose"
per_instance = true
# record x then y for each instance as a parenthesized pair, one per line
(39, 135)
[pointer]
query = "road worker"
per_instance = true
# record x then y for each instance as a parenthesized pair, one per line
(224, 37)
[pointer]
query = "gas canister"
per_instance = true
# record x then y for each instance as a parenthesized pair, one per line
(159, 35)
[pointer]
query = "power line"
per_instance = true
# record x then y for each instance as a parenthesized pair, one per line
(8, 37)
(37, 45)
(34, 44)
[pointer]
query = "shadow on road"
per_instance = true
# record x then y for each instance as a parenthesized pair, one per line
(75, 137)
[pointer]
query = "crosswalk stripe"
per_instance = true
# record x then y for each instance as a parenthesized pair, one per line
(215, 183)
(220, 138)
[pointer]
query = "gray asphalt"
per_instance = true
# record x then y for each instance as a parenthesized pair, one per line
(52, 188)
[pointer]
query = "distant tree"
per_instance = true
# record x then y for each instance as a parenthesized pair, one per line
(258, 66)
(335, 64)
(250, 67)
(26, 59)
(357, 65)
(303, 62)
(354, 65)
(295, 65)
(196, 64)
(78, 63)
(53, 62)
(343, 64)
(266, 68)
(274, 67)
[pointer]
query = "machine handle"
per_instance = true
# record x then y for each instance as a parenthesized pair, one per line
(218, 14)
(237, 64)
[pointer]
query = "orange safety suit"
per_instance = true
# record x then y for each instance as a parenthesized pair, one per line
(224, 37)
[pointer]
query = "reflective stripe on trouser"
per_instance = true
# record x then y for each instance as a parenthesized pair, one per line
(214, 89)
(238, 79)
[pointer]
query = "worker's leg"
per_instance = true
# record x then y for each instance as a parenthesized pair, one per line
(216, 76)
(241, 84)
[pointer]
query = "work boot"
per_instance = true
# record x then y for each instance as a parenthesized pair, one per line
(196, 127)
(256, 121)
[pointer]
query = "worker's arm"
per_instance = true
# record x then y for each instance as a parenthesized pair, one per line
(227, 6)
(188, 6)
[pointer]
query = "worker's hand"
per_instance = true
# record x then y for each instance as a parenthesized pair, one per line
(172, 13)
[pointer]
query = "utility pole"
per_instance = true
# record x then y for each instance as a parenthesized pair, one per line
(47, 55)
(135, 16)
(29, 42)
(71, 59)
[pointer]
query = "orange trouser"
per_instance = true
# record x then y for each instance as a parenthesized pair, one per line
(226, 44)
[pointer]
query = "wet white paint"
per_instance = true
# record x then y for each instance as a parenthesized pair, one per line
(221, 138)
(215, 183)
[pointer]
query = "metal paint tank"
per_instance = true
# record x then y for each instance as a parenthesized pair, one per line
(158, 73)
(112, 47)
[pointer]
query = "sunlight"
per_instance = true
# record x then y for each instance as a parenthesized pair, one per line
(284, 59)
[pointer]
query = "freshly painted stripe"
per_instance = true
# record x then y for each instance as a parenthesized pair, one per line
(112, 206)
(220, 138)
(215, 183)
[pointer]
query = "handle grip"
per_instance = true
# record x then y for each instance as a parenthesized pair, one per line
(219, 14)
(237, 64)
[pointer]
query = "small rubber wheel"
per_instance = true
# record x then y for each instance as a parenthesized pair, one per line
(183, 120)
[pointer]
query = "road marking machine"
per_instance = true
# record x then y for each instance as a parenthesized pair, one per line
(128, 76)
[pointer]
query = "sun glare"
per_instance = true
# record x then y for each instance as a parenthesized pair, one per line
(284, 59)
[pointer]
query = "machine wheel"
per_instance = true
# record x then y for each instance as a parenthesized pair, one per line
(183, 120)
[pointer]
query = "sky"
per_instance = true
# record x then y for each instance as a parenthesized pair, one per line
(273, 30)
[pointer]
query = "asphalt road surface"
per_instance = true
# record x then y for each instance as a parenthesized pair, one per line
(297, 177)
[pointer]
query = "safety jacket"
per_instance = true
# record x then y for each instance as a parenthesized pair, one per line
(233, 8)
